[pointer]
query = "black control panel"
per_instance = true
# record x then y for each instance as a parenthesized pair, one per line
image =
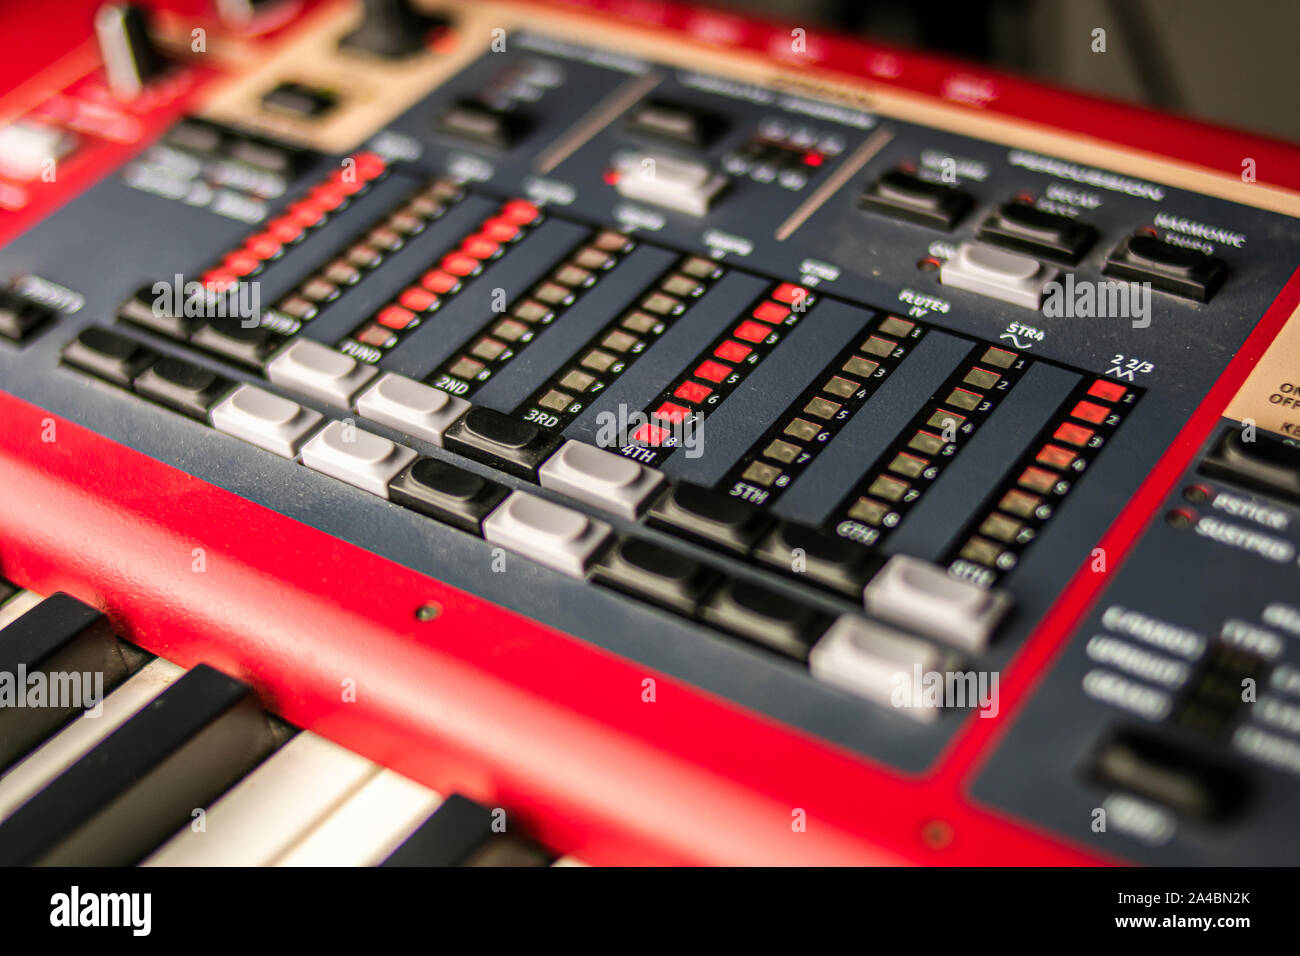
(770, 393)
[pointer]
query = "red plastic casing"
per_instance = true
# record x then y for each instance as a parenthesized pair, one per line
(502, 708)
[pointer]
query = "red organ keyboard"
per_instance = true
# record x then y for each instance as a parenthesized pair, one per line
(513, 433)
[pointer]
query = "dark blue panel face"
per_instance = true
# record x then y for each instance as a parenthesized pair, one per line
(884, 402)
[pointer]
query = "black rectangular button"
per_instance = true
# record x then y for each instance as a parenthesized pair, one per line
(471, 119)
(1267, 464)
(765, 617)
(461, 833)
(20, 318)
(62, 636)
(1019, 225)
(231, 339)
(828, 560)
(183, 386)
(299, 100)
(157, 313)
(194, 136)
(493, 438)
(656, 574)
(673, 121)
(1187, 272)
(114, 358)
(901, 195)
(453, 495)
(1183, 780)
(141, 784)
(709, 516)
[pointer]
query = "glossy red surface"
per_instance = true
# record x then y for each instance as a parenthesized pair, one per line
(514, 713)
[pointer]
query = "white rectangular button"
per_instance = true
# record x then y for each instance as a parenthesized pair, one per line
(925, 598)
(319, 371)
(265, 420)
(550, 534)
(1005, 276)
(361, 458)
(601, 478)
(683, 185)
(411, 407)
(875, 662)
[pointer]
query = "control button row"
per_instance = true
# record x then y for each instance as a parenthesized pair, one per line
(909, 592)
(1021, 226)
(175, 383)
(20, 318)
(913, 593)
(729, 524)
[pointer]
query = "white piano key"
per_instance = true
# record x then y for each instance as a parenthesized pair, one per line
(18, 605)
(30, 775)
(368, 827)
(263, 815)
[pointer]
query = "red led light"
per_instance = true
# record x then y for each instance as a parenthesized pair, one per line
(520, 212)
(771, 312)
(284, 229)
(438, 281)
(813, 159)
(460, 264)
(649, 434)
(328, 196)
(480, 246)
(369, 165)
(789, 293)
(306, 213)
(669, 412)
(692, 392)
(732, 351)
(264, 245)
(347, 183)
(500, 230)
(242, 263)
(219, 280)
(1090, 412)
(1107, 391)
(751, 331)
(417, 299)
(395, 317)
(1073, 434)
(712, 371)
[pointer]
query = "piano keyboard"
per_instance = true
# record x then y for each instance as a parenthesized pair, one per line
(176, 767)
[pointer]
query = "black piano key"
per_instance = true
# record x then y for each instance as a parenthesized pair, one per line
(7, 590)
(140, 785)
(70, 650)
(459, 833)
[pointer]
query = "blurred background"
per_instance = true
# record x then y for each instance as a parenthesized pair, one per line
(1230, 62)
